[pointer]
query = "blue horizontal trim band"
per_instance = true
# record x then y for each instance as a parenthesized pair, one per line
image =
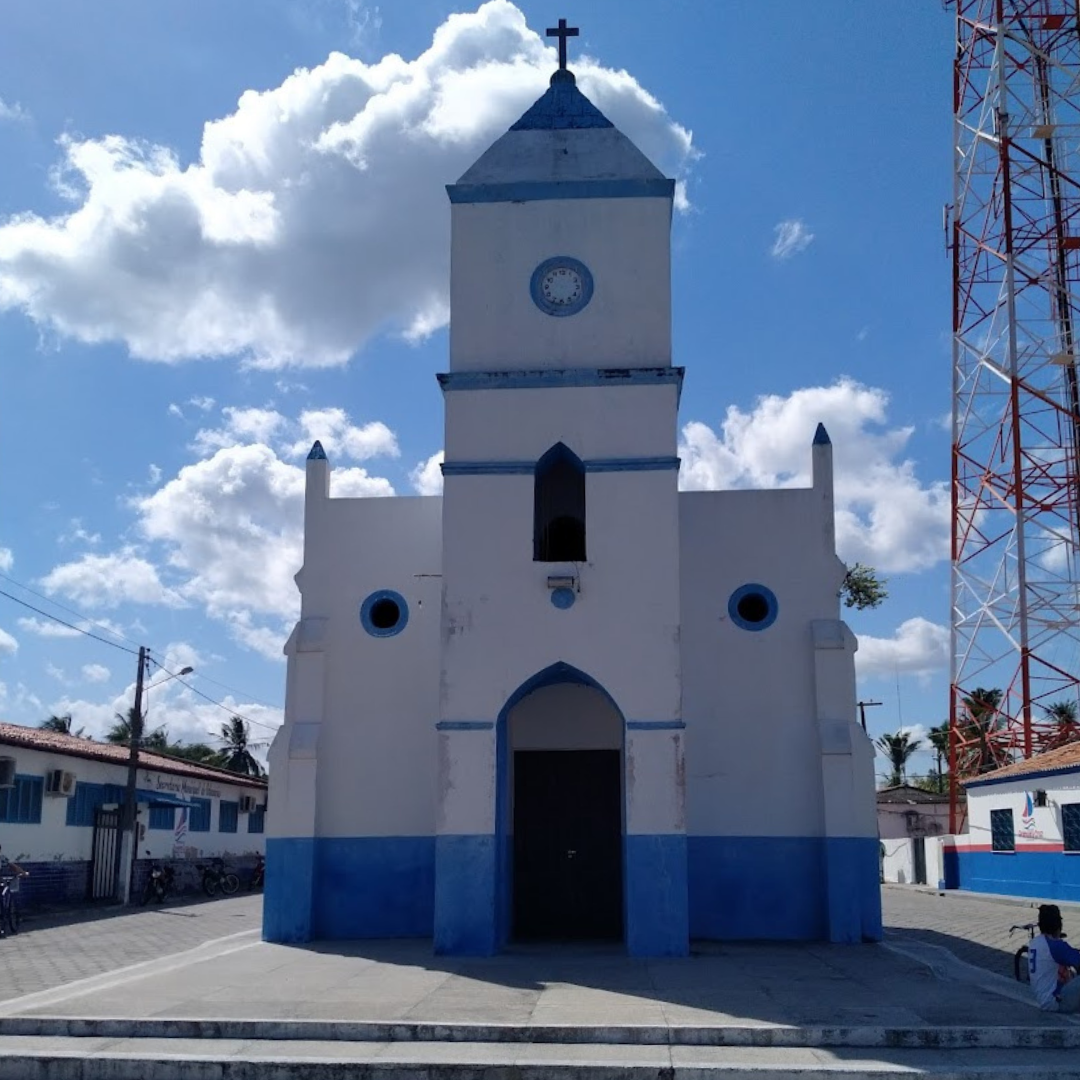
(464, 725)
(655, 725)
(654, 464)
(540, 190)
(557, 378)
(527, 468)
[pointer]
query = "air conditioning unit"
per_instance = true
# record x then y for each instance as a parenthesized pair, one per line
(247, 804)
(7, 772)
(59, 782)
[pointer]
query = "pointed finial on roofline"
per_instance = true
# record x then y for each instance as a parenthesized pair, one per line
(317, 452)
(821, 436)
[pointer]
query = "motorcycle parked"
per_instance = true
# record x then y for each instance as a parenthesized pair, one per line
(214, 877)
(258, 875)
(159, 883)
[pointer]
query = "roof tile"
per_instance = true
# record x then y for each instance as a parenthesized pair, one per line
(115, 753)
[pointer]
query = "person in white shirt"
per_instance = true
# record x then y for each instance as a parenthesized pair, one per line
(1050, 960)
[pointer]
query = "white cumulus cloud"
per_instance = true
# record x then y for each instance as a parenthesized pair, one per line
(231, 527)
(7, 559)
(108, 580)
(791, 237)
(95, 673)
(427, 476)
(313, 216)
(7, 643)
(919, 647)
(339, 436)
(885, 516)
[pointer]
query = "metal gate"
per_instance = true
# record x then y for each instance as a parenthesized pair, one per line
(105, 867)
(919, 852)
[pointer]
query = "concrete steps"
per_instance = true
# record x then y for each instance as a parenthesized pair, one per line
(26, 1057)
(1018, 1037)
(62, 1048)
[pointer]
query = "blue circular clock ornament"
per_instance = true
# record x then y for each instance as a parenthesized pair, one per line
(561, 285)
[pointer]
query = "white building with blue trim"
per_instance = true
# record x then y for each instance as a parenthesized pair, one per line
(1023, 836)
(60, 800)
(565, 700)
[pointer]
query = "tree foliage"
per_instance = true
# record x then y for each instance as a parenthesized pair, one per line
(898, 749)
(236, 754)
(62, 725)
(130, 725)
(862, 588)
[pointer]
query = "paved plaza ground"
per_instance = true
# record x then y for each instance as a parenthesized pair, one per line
(178, 980)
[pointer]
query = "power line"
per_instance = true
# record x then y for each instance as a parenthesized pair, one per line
(70, 626)
(233, 690)
(69, 610)
(133, 652)
(207, 697)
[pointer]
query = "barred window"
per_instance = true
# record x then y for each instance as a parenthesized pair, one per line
(162, 817)
(21, 805)
(1070, 826)
(257, 820)
(1002, 833)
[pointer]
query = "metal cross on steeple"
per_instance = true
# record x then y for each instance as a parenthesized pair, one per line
(562, 32)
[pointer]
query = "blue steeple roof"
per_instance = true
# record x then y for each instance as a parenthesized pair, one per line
(317, 452)
(562, 107)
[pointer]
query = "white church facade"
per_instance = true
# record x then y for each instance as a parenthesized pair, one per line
(565, 700)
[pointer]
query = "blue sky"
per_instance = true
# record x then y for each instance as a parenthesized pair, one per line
(208, 257)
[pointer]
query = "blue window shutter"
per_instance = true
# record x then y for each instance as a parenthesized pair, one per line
(200, 815)
(228, 816)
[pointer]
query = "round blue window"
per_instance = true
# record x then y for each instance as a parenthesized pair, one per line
(384, 613)
(561, 285)
(753, 607)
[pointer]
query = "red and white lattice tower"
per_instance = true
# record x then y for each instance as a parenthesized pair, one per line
(1015, 236)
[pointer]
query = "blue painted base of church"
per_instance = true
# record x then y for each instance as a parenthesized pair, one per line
(450, 889)
(779, 888)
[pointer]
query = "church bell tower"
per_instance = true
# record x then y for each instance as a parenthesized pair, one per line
(560, 616)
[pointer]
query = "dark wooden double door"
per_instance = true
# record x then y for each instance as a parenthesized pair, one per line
(567, 845)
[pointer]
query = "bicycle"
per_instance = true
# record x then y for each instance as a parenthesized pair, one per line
(9, 909)
(1020, 961)
(215, 876)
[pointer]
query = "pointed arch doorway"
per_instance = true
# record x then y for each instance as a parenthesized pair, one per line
(560, 813)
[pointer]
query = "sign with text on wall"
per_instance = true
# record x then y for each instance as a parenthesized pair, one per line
(181, 786)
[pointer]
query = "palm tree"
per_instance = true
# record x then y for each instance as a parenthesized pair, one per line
(1064, 715)
(121, 732)
(197, 752)
(898, 748)
(979, 723)
(939, 740)
(61, 725)
(237, 756)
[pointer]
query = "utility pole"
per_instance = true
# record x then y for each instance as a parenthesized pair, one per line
(863, 705)
(129, 840)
